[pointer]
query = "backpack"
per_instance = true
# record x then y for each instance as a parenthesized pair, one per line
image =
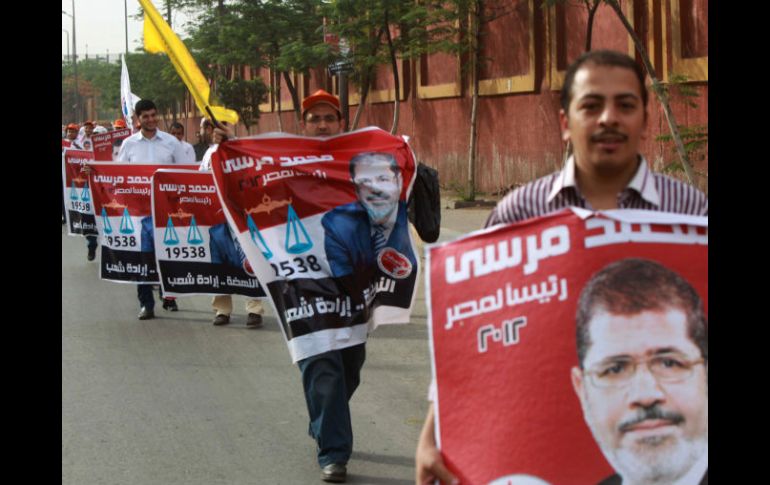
(424, 205)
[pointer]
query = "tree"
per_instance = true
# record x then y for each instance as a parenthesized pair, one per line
(97, 80)
(657, 88)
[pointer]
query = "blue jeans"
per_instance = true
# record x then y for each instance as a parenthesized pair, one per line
(146, 298)
(329, 381)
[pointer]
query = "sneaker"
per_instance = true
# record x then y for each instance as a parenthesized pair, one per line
(221, 319)
(170, 305)
(254, 320)
(335, 472)
(91, 254)
(146, 314)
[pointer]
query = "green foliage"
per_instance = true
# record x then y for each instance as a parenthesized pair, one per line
(244, 97)
(153, 77)
(96, 79)
(695, 139)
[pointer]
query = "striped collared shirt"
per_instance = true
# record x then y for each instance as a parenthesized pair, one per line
(646, 190)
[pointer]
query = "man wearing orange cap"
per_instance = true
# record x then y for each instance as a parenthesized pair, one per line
(329, 379)
(119, 124)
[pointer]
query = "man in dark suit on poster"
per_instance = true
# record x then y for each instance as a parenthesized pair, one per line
(642, 374)
(371, 232)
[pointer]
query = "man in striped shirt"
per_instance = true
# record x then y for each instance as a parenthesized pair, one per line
(604, 114)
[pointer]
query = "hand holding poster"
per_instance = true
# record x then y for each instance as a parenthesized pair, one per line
(197, 252)
(633, 286)
(77, 194)
(122, 203)
(323, 223)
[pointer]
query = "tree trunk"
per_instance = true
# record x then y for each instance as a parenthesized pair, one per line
(278, 98)
(294, 100)
(366, 81)
(659, 91)
(474, 39)
(394, 67)
(591, 13)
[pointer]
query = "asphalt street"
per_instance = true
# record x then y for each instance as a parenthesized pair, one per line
(176, 400)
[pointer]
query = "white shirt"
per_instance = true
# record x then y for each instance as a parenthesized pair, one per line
(206, 162)
(189, 151)
(161, 148)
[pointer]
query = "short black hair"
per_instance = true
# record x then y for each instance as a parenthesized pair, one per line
(631, 286)
(176, 124)
(144, 105)
(601, 58)
(368, 155)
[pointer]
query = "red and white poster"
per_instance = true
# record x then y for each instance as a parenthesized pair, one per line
(121, 195)
(323, 223)
(79, 210)
(196, 251)
(107, 145)
(539, 332)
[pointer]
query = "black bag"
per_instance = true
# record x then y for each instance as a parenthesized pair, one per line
(424, 206)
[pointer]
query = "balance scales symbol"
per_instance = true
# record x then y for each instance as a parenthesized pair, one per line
(126, 226)
(85, 194)
(170, 237)
(297, 239)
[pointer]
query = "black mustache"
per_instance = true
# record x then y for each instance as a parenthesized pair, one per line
(651, 413)
(597, 137)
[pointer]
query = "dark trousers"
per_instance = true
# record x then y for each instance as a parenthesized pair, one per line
(91, 242)
(329, 381)
(146, 298)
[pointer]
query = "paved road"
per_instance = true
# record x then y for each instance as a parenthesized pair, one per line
(176, 400)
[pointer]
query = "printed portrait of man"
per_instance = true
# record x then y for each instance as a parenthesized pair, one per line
(373, 231)
(642, 379)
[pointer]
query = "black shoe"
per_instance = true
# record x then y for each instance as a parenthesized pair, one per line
(254, 320)
(146, 314)
(336, 473)
(221, 319)
(170, 305)
(91, 254)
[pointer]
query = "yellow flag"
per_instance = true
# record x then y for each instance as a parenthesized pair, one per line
(159, 38)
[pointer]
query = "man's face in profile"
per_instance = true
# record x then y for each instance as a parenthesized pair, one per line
(377, 187)
(206, 134)
(89, 130)
(644, 393)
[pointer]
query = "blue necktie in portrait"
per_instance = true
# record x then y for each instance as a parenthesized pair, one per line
(379, 238)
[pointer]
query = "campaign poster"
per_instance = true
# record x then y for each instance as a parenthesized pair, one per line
(519, 318)
(107, 145)
(323, 223)
(196, 251)
(121, 195)
(79, 210)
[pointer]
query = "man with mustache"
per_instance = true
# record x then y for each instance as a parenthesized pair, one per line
(642, 375)
(604, 115)
(356, 233)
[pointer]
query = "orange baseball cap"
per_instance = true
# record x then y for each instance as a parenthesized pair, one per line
(119, 123)
(73, 126)
(318, 97)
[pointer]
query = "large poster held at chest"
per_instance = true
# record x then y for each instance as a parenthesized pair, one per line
(573, 348)
(323, 223)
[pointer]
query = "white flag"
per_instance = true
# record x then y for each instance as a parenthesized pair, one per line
(127, 98)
